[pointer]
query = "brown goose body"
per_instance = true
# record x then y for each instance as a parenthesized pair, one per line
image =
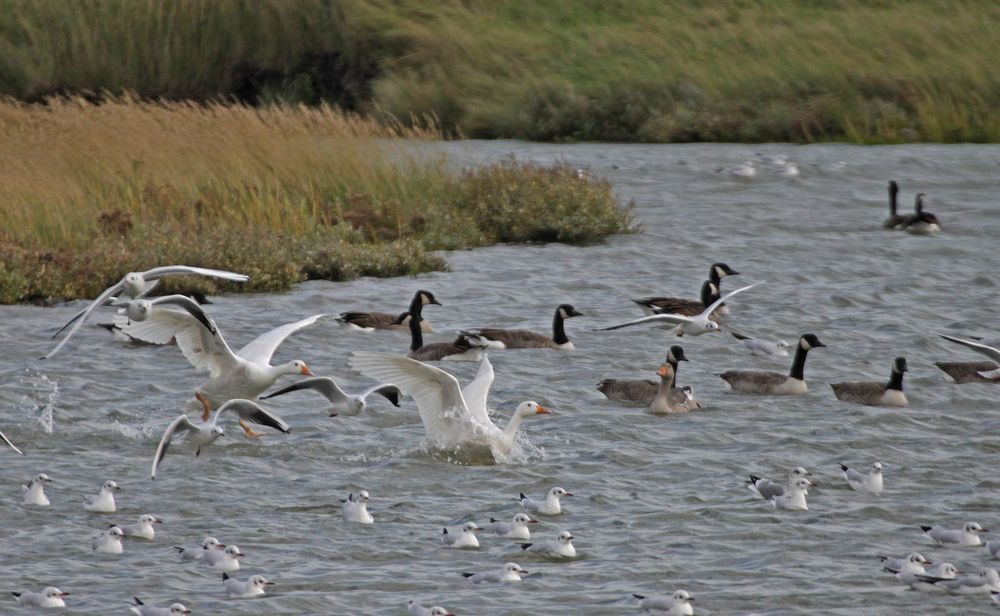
(463, 348)
(775, 383)
(874, 393)
(380, 320)
(665, 402)
(527, 339)
(681, 305)
(969, 371)
(642, 391)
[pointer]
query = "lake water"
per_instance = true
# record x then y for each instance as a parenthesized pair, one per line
(660, 502)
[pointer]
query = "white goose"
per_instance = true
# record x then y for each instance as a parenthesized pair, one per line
(692, 326)
(452, 418)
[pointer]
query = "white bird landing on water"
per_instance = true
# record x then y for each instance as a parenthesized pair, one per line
(4, 438)
(34, 491)
(550, 506)
(517, 528)
(453, 418)
(766, 489)
(967, 535)
(104, 502)
(510, 572)
(342, 402)
(794, 496)
(560, 547)
(110, 541)
(679, 604)
(49, 597)
(466, 538)
(870, 482)
(224, 560)
(198, 553)
(143, 528)
(355, 508)
(763, 348)
(692, 326)
(238, 589)
(135, 285)
(203, 434)
(141, 609)
(415, 609)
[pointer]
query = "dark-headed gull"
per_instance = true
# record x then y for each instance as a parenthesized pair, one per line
(870, 482)
(104, 502)
(239, 589)
(765, 488)
(355, 508)
(678, 604)
(510, 572)
(341, 402)
(198, 553)
(34, 491)
(692, 326)
(517, 528)
(144, 527)
(560, 547)
(465, 538)
(224, 560)
(763, 348)
(48, 597)
(986, 581)
(969, 534)
(794, 496)
(415, 609)
(110, 541)
(551, 505)
(141, 609)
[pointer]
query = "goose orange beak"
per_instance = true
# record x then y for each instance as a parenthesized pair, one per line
(306, 371)
(542, 410)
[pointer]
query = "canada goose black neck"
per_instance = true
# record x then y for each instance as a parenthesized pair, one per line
(893, 191)
(417, 303)
(558, 331)
(896, 376)
(675, 355)
(709, 292)
(416, 336)
(918, 205)
(806, 342)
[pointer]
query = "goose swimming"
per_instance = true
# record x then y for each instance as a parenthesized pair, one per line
(370, 321)
(692, 326)
(641, 391)
(876, 393)
(664, 402)
(710, 291)
(464, 348)
(526, 339)
(776, 383)
(895, 219)
(973, 372)
(921, 222)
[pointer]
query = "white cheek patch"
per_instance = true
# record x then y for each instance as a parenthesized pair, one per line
(805, 345)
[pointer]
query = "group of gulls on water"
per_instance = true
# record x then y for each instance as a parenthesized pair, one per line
(457, 417)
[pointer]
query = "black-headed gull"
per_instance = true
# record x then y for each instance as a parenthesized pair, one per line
(355, 508)
(34, 491)
(870, 482)
(342, 403)
(968, 535)
(551, 505)
(48, 597)
(224, 560)
(775, 383)
(746, 169)
(986, 581)
(141, 609)
(370, 321)
(415, 609)
(517, 528)
(238, 589)
(104, 502)
(465, 538)
(204, 433)
(765, 488)
(198, 553)
(144, 527)
(4, 438)
(678, 604)
(135, 285)
(691, 326)
(510, 572)
(110, 541)
(560, 547)
(763, 348)
(794, 496)
(525, 339)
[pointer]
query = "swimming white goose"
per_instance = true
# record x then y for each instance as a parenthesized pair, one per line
(370, 321)
(560, 547)
(141, 609)
(104, 502)
(450, 421)
(526, 339)
(642, 391)
(134, 285)
(794, 496)
(238, 589)
(895, 219)
(876, 393)
(517, 528)
(355, 508)
(465, 347)
(203, 434)
(678, 604)
(775, 383)
(510, 572)
(552, 504)
(763, 348)
(870, 482)
(342, 402)
(969, 534)
(664, 401)
(766, 489)
(465, 539)
(245, 374)
(921, 222)
(973, 372)
(9, 444)
(692, 326)
(34, 491)
(48, 597)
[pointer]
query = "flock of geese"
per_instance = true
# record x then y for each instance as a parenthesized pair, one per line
(457, 417)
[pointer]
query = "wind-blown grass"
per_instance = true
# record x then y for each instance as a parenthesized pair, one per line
(88, 192)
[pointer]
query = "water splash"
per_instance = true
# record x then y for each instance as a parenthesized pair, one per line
(44, 397)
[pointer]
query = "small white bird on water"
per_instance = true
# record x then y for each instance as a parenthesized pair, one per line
(550, 506)
(510, 572)
(104, 502)
(238, 589)
(141, 609)
(679, 604)
(560, 547)
(766, 489)
(986, 581)
(198, 553)
(224, 560)
(110, 541)
(968, 535)
(49, 597)
(34, 491)
(466, 538)
(355, 508)
(870, 482)
(517, 528)
(763, 348)
(143, 528)
(794, 496)
(415, 609)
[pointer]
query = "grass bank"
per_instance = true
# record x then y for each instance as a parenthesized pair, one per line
(634, 70)
(283, 193)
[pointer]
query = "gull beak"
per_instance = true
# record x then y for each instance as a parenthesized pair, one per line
(268, 583)
(64, 594)
(333, 413)
(984, 530)
(239, 554)
(542, 410)
(306, 371)
(690, 598)
(157, 521)
(569, 494)
(477, 529)
(532, 522)
(221, 546)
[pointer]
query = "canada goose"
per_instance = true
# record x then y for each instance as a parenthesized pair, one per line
(370, 321)
(682, 305)
(873, 393)
(894, 219)
(758, 382)
(692, 326)
(463, 348)
(663, 402)
(525, 339)
(973, 371)
(921, 222)
(640, 391)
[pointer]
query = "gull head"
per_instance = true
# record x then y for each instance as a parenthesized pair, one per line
(798, 471)
(531, 407)
(437, 610)
(211, 543)
(471, 527)
(682, 596)
(974, 527)
(138, 309)
(877, 468)
(42, 478)
(133, 285)
(234, 552)
(261, 582)
(783, 344)
(217, 431)
(802, 484)
(51, 592)
(513, 568)
(711, 326)
(148, 519)
(559, 492)
(565, 537)
(177, 609)
(523, 518)
(110, 486)
(116, 532)
(917, 559)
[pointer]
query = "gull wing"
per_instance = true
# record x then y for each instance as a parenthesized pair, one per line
(181, 424)
(656, 318)
(100, 300)
(248, 410)
(262, 348)
(168, 270)
(203, 348)
(322, 384)
(7, 440)
(722, 299)
(478, 389)
(387, 390)
(980, 348)
(190, 306)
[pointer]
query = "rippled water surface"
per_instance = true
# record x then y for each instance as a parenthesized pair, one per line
(660, 502)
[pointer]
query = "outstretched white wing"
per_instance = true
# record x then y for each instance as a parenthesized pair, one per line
(322, 384)
(248, 410)
(722, 299)
(478, 389)
(204, 349)
(7, 440)
(81, 317)
(978, 347)
(181, 424)
(167, 270)
(656, 318)
(262, 348)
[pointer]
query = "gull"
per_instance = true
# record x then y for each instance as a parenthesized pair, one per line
(550, 506)
(238, 589)
(794, 496)
(679, 604)
(342, 403)
(143, 528)
(11, 445)
(916, 579)
(913, 562)
(864, 482)
(560, 547)
(205, 433)
(465, 539)
(355, 508)
(994, 548)
(49, 597)
(766, 489)
(450, 420)
(510, 572)
(692, 326)
(110, 541)
(207, 544)
(104, 502)
(415, 609)
(34, 491)
(978, 347)
(134, 285)
(987, 580)
(141, 609)
(746, 169)
(967, 535)
(788, 170)
(244, 374)
(517, 528)
(224, 560)
(763, 348)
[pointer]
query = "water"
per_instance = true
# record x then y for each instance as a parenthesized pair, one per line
(660, 502)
